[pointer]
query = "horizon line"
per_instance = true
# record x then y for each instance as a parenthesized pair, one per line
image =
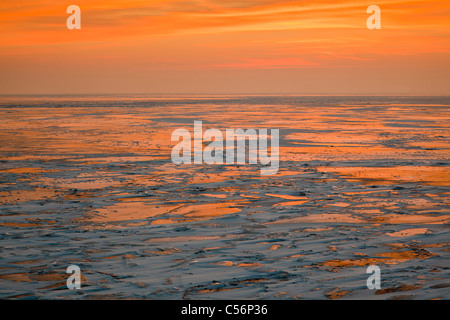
(227, 94)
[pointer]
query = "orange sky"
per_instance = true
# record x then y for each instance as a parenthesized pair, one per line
(225, 46)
